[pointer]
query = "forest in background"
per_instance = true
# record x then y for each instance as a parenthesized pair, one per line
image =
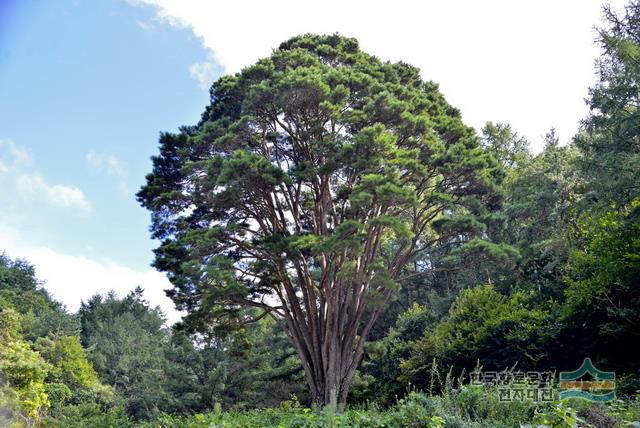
(549, 275)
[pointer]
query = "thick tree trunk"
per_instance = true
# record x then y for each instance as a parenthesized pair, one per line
(332, 387)
(330, 359)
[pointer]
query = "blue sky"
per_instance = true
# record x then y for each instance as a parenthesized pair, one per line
(80, 78)
(85, 89)
(86, 86)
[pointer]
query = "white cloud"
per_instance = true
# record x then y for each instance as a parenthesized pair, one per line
(204, 73)
(16, 154)
(73, 278)
(70, 278)
(144, 25)
(57, 195)
(525, 63)
(112, 166)
(20, 174)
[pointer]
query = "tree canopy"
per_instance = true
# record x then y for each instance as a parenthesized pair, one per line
(311, 181)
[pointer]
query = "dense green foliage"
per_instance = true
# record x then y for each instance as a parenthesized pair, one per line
(610, 139)
(571, 214)
(43, 366)
(482, 325)
(122, 364)
(314, 181)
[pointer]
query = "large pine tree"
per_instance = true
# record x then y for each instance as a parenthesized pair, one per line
(312, 181)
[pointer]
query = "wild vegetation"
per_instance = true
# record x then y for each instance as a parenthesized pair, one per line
(347, 252)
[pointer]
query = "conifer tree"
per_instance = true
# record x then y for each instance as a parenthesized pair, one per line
(313, 179)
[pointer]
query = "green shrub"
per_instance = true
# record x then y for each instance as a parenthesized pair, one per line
(482, 325)
(558, 416)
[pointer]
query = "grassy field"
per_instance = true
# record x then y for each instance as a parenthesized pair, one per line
(466, 407)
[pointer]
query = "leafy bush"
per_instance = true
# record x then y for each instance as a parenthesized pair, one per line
(558, 416)
(484, 325)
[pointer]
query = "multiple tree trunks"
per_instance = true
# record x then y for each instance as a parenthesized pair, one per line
(313, 179)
